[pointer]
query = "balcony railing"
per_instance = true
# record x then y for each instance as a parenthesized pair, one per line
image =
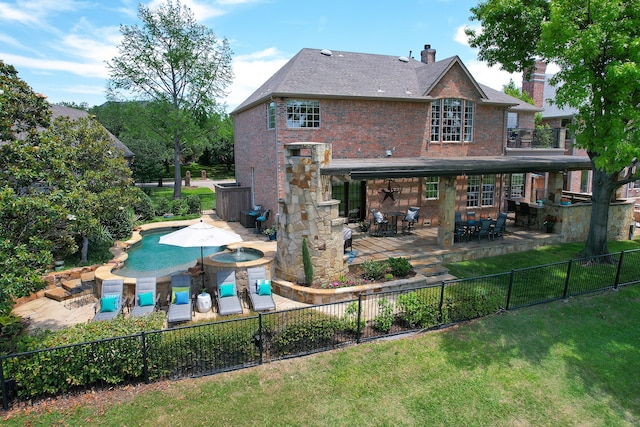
(536, 138)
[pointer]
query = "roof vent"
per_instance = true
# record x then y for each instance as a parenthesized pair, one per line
(326, 52)
(403, 59)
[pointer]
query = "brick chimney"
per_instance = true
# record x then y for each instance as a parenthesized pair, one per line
(428, 55)
(535, 84)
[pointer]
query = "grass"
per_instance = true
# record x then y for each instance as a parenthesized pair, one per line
(541, 256)
(213, 172)
(566, 363)
(206, 195)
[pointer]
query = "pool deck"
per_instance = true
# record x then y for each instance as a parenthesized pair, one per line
(44, 313)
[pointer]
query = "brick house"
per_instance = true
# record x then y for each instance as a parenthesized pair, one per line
(381, 114)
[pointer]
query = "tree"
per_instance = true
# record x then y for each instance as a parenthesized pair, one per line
(512, 90)
(596, 44)
(179, 65)
(221, 141)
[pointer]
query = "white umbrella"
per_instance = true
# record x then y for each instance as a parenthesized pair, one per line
(200, 234)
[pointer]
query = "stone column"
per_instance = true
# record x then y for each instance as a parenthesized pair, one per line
(308, 212)
(554, 185)
(447, 211)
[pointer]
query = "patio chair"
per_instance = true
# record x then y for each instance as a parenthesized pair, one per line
(412, 216)
(145, 300)
(460, 232)
(499, 227)
(180, 299)
(110, 303)
(347, 236)
(380, 223)
(227, 296)
(259, 289)
(261, 220)
(484, 230)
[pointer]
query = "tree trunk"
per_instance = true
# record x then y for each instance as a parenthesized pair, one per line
(85, 250)
(177, 176)
(604, 186)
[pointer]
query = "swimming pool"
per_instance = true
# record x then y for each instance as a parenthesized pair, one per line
(148, 258)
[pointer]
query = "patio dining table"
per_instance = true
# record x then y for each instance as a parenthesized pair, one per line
(393, 220)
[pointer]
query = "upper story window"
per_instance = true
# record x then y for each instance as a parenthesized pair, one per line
(452, 120)
(271, 115)
(303, 113)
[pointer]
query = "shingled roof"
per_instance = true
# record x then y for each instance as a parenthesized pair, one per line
(74, 113)
(344, 75)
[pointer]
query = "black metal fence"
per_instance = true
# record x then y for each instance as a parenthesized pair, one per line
(206, 349)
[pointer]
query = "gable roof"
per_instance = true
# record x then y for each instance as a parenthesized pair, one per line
(350, 75)
(74, 114)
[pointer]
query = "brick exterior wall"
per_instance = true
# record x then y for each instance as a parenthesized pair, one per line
(367, 128)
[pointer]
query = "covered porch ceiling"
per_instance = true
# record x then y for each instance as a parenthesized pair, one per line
(411, 167)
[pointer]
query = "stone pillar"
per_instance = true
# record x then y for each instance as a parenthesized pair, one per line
(187, 179)
(554, 186)
(203, 174)
(308, 212)
(447, 211)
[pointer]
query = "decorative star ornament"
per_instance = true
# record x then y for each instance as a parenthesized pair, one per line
(388, 192)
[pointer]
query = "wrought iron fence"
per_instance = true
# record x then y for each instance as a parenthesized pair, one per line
(209, 348)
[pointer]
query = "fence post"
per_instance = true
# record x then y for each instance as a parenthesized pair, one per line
(441, 301)
(358, 331)
(260, 338)
(145, 363)
(513, 272)
(566, 280)
(5, 392)
(615, 286)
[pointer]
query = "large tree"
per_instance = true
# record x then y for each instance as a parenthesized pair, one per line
(596, 44)
(178, 64)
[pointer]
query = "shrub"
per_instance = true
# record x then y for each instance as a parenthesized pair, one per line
(162, 206)
(308, 331)
(307, 263)
(384, 320)
(374, 270)
(400, 267)
(350, 319)
(119, 223)
(193, 204)
(419, 308)
(179, 207)
(144, 207)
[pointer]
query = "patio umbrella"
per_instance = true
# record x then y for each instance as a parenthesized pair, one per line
(200, 234)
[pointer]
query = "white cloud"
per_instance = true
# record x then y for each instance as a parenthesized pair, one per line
(460, 35)
(493, 77)
(35, 12)
(250, 72)
(201, 10)
(97, 70)
(10, 41)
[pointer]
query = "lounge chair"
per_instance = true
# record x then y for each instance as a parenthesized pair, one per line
(227, 293)
(180, 299)
(145, 300)
(259, 289)
(110, 304)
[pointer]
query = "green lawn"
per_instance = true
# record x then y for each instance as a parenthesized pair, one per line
(574, 362)
(541, 256)
(206, 195)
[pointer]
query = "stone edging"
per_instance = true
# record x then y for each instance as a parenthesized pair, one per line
(316, 296)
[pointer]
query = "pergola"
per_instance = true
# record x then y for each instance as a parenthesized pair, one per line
(450, 168)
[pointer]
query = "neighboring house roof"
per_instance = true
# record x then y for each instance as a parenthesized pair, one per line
(551, 110)
(74, 114)
(343, 75)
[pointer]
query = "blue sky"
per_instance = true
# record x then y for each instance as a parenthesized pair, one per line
(60, 47)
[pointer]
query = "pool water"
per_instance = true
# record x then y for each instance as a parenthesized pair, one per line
(148, 258)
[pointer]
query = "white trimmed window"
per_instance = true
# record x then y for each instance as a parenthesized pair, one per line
(432, 187)
(517, 186)
(271, 115)
(481, 190)
(488, 190)
(452, 120)
(303, 113)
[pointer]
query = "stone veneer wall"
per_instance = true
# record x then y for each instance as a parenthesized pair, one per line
(574, 220)
(308, 212)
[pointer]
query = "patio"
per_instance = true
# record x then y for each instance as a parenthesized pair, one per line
(419, 247)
